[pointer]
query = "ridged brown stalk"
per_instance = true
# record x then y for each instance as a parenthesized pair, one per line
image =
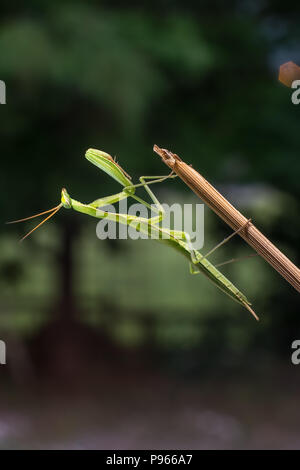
(232, 216)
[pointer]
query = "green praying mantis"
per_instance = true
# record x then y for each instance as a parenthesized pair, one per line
(150, 226)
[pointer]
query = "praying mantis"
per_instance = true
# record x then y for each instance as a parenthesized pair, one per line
(177, 239)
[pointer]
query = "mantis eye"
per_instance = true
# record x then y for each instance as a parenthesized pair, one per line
(65, 199)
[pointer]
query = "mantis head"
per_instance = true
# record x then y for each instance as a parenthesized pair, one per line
(65, 199)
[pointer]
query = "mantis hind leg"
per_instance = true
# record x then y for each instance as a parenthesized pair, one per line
(227, 238)
(197, 260)
(197, 257)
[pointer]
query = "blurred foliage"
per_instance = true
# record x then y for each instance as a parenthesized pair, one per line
(199, 78)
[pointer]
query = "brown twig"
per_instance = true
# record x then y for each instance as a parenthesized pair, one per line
(232, 217)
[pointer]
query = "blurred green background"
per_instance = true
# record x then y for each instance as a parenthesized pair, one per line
(113, 343)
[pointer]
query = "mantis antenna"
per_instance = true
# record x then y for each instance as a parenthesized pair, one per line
(53, 211)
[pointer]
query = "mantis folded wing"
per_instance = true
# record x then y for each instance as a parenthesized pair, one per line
(149, 226)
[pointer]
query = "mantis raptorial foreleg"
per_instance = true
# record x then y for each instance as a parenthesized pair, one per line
(129, 191)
